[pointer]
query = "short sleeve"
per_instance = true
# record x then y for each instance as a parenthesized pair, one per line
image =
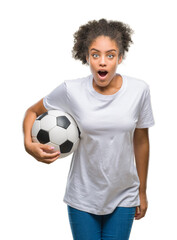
(57, 99)
(146, 118)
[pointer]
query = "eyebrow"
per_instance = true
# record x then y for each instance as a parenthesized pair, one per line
(94, 49)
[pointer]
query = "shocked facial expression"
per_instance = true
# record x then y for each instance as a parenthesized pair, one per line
(103, 58)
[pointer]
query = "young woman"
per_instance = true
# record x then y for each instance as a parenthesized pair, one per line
(105, 189)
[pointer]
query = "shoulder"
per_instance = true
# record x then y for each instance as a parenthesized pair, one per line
(76, 81)
(136, 84)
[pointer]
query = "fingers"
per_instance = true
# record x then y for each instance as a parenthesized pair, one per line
(140, 212)
(47, 148)
(48, 160)
(47, 154)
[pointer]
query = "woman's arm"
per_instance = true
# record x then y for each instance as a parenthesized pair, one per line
(41, 152)
(141, 150)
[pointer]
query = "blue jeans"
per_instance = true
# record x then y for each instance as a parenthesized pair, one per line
(114, 226)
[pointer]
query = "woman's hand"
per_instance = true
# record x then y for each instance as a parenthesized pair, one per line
(141, 210)
(42, 153)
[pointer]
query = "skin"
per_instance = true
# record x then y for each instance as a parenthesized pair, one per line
(141, 150)
(103, 54)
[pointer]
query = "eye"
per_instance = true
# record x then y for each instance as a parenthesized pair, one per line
(110, 56)
(95, 55)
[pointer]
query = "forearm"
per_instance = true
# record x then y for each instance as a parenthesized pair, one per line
(29, 119)
(141, 150)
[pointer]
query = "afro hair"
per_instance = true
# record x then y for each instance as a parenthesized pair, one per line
(83, 38)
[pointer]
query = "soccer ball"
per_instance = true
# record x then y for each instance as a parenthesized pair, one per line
(57, 129)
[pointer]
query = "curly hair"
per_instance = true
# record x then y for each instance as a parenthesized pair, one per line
(83, 38)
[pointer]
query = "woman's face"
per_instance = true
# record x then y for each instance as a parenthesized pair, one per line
(103, 58)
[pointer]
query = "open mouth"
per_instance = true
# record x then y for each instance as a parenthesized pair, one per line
(102, 73)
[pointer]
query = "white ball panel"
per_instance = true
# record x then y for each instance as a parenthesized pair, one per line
(63, 155)
(58, 135)
(56, 113)
(48, 122)
(72, 133)
(35, 128)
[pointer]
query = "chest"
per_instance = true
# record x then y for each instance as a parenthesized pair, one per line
(97, 117)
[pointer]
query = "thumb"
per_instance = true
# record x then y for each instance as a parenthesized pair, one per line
(138, 211)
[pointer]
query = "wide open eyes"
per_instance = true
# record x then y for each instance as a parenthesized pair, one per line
(95, 55)
(109, 56)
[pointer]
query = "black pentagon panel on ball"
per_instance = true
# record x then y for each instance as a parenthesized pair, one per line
(63, 121)
(66, 147)
(42, 115)
(43, 136)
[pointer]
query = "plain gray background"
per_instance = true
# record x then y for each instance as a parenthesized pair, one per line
(35, 57)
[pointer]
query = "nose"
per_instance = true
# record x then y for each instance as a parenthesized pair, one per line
(102, 62)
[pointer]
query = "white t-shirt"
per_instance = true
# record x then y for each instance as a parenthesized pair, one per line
(103, 173)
